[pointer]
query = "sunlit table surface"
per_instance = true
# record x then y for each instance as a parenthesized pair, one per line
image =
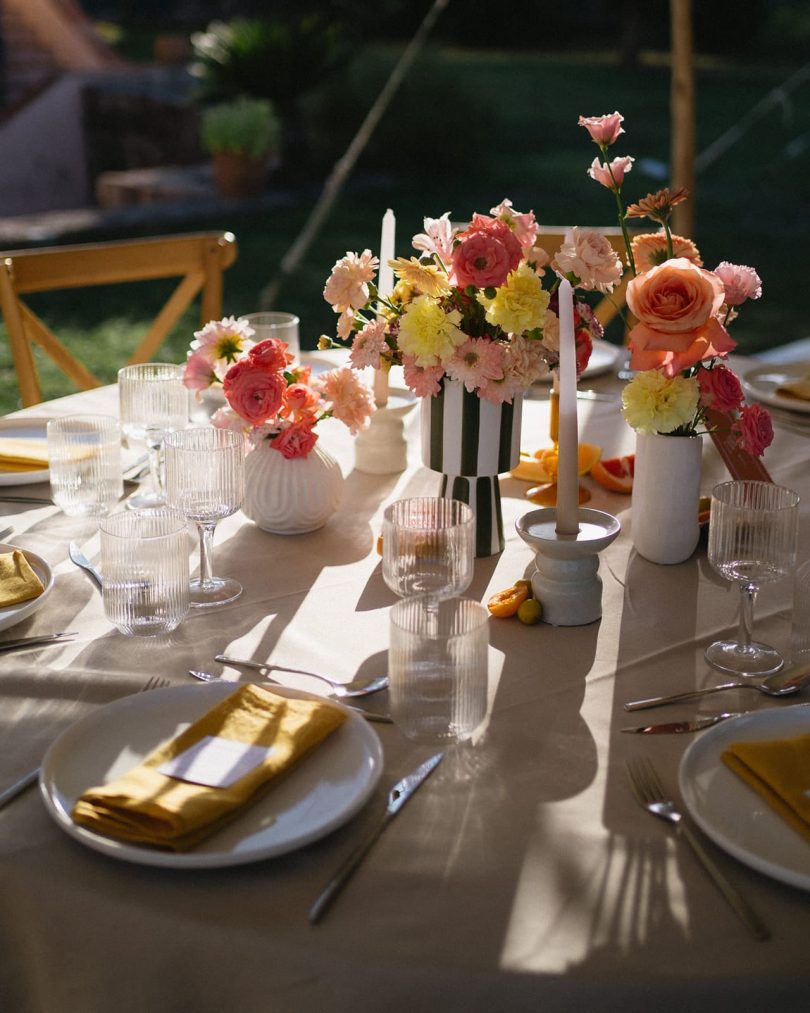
(523, 876)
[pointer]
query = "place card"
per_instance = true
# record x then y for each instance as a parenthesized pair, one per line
(215, 762)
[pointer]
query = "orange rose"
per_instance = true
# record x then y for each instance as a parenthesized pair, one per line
(676, 305)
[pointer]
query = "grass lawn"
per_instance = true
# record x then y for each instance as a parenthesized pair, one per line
(468, 129)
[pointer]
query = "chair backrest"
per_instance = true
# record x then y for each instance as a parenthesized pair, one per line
(550, 238)
(199, 260)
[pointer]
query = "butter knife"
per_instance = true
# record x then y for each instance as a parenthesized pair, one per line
(677, 727)
(397, 797)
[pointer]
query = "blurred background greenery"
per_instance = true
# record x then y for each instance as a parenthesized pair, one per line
(489, 110)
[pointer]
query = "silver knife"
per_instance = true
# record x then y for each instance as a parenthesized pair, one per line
(19, 786)
(677, 727)
(43, 638)
(397, 797)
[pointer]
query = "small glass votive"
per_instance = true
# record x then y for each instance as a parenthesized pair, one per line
(84, 463)
(438, 667)
(145, 571)
(283, 326)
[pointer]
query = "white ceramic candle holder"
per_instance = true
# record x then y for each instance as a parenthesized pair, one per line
(382, 449)
(566, 582)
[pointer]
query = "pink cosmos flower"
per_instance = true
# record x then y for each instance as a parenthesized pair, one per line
(254, 391)
(295, 441)
(352, 402)
(603, 129)
(524, 226)
(619, 167)
(739, 282)
(592, 259)
(720, 389)
(368, 344)
(198, 372)
(422, 380)
(271, 354)
(488, 251)
(299, 403)
(347, 285)
(754, 429)
(476, 362)
(437, 237)
(498, 391)
(224, 339)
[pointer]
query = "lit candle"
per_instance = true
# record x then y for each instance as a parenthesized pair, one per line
(385, 286)
(568, 459)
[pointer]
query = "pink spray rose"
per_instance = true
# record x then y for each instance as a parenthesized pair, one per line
(675, 304)
(720, 389)
(488, 251)
(740, 282)
(603, 129)
(253, 391)
(619, 167)
(295, 441)
(754, 429)
(300, 402)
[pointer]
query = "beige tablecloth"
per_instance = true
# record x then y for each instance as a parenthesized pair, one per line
(522, 877)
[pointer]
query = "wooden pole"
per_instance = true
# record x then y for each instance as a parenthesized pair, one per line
(682, 112)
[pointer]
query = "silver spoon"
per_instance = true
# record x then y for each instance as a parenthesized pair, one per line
(774, 685)
(339, 689)
(79, 558)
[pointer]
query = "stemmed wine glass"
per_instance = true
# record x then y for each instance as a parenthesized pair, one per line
(152, 402)
(428, 547)
(753, 539)
(205, 480)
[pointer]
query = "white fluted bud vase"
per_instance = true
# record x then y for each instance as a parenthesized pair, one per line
(666, 496)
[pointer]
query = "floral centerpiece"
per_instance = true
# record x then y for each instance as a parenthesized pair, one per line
(269, 398)
(683, 312)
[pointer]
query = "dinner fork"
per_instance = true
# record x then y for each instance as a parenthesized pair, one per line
(649, 793)
(28, 779)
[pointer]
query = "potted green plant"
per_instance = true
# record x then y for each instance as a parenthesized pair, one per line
(241, 136)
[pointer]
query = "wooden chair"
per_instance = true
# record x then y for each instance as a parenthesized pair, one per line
(199, 260)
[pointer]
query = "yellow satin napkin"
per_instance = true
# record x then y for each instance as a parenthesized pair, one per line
(20, 454)
(145, 806)
(18, 582)
(780, 772)
(800, 389)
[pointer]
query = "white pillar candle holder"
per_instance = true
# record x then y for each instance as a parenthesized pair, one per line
(382, 448)
(566, 582)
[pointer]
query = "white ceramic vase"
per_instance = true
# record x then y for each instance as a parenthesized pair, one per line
(291, 497)
(666, 494)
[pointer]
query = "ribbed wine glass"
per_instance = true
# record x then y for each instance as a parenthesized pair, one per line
(205, 480)
(152, 402)
(753, 539)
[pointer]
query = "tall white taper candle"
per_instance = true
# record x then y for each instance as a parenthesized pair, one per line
(385, 286)
(568, 460)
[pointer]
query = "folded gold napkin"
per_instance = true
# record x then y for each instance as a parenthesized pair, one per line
(146, 806)
(800, 389)
(18, 582)
(780, 771)
(19, 454)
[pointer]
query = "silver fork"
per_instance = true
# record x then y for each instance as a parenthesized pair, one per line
(28, 779)
(649, 793)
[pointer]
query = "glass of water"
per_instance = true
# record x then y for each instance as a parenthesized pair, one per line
(84, 464)
(145, 570)
(282, 326)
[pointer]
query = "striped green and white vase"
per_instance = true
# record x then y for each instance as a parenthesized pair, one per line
(471, 441)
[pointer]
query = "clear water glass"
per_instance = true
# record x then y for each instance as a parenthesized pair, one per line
(437, 664)
(753, 539)
(283, 326)
(145, 570)
(84, 464)
(205, 481)
(428, 547)
(153, 401)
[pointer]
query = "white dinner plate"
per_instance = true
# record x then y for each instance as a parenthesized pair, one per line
(13, 614)
(24, 428)
(603, 358)
(322, 792)
(761, 383)
(736, 817)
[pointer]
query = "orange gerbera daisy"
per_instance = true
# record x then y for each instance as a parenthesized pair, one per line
(659, 205)
(650, 250)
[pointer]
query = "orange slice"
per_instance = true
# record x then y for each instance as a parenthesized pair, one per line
(615, 473)
(506, 603)
(542, 466)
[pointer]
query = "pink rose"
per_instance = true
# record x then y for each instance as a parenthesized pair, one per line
(252, 391)
(271, 354)
(619, 167)
(740, 282)
(754, 429)
(675, 304)
(603, 129)
(720, 389)
(487, 252)
(295, 441)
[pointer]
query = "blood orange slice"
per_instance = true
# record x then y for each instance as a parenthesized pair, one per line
(615, 473)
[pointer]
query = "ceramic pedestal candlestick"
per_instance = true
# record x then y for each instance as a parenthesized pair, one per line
(566, 581)
(382, 449)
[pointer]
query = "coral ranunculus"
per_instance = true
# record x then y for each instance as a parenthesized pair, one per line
(676, 305)
(486, 253)
(253, 391)
(295, 441)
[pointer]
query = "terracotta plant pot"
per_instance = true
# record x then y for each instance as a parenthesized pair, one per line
(237, 175)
